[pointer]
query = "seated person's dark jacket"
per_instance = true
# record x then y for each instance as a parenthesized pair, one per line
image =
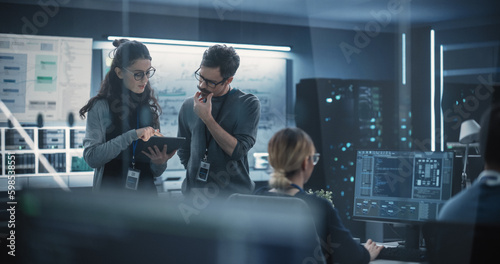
(342, 247)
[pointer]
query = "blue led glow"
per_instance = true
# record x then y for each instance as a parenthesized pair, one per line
(343, 148)
(403, 139)
(329, 100)
(338, 97)
(327, 119)
(352, 178)
(372, 139)
(403, 127)
(348, 144)
(372, 127)
(342, 193)
(372, 120)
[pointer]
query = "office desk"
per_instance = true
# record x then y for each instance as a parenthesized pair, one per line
(386, 261)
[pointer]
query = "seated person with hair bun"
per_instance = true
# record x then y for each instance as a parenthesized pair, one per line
(292, 157)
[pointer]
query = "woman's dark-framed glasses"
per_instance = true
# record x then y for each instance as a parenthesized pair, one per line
(209, 83)
(315, 158)
(138, 76)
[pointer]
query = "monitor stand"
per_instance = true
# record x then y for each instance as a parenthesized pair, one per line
(375, 231)
(412, 239)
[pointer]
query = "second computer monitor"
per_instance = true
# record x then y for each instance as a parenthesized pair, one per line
(401, 186)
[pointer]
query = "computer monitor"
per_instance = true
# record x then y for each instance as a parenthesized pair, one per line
(54, 226)
(401, 186)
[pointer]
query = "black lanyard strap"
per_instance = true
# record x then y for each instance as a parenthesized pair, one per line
(208, 136)
(134, 144)
(298, 187)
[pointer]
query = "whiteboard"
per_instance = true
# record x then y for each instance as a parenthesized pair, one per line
(174, 81)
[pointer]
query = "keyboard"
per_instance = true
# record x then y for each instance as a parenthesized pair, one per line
(402, 254)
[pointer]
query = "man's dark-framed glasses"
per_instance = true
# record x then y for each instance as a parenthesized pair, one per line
(138, 76)
(209, 83)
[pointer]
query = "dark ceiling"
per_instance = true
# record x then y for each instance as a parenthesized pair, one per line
(317, 13)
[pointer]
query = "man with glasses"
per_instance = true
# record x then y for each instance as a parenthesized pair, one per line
(220, 124)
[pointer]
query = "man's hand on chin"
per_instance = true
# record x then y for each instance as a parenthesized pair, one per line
(203, 106)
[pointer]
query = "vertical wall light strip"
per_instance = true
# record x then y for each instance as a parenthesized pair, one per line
(433, 90)
(403, 59)
(441, 88)
(125, 17)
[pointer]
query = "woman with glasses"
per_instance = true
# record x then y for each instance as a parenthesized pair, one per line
(123, 112)
(292, 156)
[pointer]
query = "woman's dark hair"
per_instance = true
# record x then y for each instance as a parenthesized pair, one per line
(222, 56)
(124, 55)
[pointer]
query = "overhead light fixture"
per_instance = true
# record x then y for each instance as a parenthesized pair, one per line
(203, 43)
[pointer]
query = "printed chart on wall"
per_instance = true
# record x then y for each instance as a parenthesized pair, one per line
(174, 82)
(44, 75)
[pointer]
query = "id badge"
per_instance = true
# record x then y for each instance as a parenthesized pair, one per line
(132, 179)
(203, 171)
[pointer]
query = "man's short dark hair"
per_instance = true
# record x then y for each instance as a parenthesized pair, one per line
(490, 135)
(221, 56)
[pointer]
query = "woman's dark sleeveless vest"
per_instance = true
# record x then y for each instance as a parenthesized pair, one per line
(124, 118)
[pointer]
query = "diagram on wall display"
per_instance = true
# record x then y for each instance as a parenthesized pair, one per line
(174, 82)
(44, 75)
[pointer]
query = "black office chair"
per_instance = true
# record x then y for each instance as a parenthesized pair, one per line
(283, 228)
(459, 243)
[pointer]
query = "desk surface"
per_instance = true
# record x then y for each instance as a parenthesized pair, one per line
(385, 261)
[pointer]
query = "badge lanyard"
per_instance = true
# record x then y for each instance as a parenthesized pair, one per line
(133, 175)
(134, 145)
(204, 169)
(298, 187)
(208, 135)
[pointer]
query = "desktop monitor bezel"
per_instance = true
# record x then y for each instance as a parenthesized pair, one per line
(393, 220)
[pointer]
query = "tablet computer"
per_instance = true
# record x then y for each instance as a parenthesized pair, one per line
(172, 143)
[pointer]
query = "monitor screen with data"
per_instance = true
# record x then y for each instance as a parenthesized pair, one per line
(401, 186)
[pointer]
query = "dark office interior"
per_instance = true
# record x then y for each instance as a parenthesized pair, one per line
(360, 75)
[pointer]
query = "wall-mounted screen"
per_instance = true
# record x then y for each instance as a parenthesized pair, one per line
(44, 75)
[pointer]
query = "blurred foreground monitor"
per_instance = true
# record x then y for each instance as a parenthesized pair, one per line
(80, 227)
